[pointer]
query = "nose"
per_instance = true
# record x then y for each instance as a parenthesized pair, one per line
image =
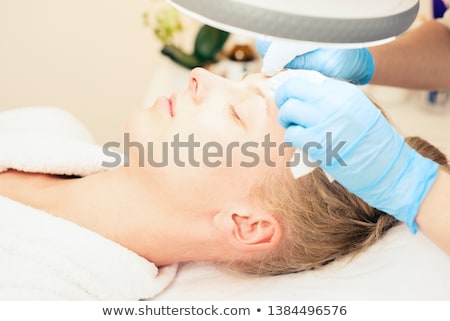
(197, 83)
(202, 82)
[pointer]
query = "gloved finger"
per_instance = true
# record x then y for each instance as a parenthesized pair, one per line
(304, 61)
(294, 136)
(324, 60)
(301, 89)
(262, 46)
(298, 113)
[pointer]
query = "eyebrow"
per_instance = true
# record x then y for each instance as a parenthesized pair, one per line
(259, 92)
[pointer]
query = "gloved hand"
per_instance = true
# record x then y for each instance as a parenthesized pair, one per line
(340, 128)
(353, 65)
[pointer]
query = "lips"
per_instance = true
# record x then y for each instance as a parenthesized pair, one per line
(167, 103)
(172, 102)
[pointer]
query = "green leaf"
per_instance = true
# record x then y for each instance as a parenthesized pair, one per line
(209, 42)
(180, 57)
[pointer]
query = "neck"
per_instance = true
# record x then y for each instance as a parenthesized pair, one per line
(130, 214)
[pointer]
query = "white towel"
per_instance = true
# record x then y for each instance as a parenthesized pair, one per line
(47, 140)
(45, 257)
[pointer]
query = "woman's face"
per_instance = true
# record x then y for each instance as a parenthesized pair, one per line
(210, 143)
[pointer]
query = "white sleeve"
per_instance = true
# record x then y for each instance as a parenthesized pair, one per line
(446, 19)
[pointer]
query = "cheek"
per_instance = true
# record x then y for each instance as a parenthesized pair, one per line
(203, 188)
(145, 125)
(207, 130)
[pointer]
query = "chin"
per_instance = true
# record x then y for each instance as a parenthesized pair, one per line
(140, 120)
(130, 121)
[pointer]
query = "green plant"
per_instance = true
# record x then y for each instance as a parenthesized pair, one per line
(209, 41)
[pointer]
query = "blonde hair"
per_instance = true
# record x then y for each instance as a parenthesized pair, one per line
(321, 221)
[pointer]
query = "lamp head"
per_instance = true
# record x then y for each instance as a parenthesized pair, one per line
(348, 23)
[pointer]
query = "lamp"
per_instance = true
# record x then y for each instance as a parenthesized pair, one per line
(353, 23)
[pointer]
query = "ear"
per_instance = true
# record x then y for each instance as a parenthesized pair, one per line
(250, 231)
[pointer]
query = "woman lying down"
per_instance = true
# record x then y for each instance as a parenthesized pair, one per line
(205, 177)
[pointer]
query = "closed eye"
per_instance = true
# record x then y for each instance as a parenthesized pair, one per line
(235, 115)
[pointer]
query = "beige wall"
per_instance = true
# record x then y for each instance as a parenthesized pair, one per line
(91, 57)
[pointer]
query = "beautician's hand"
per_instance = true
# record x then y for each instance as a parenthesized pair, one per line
(379, 166)
(353, 65)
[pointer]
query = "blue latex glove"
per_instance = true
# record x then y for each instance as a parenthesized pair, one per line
(378, 166)
(353, 65)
